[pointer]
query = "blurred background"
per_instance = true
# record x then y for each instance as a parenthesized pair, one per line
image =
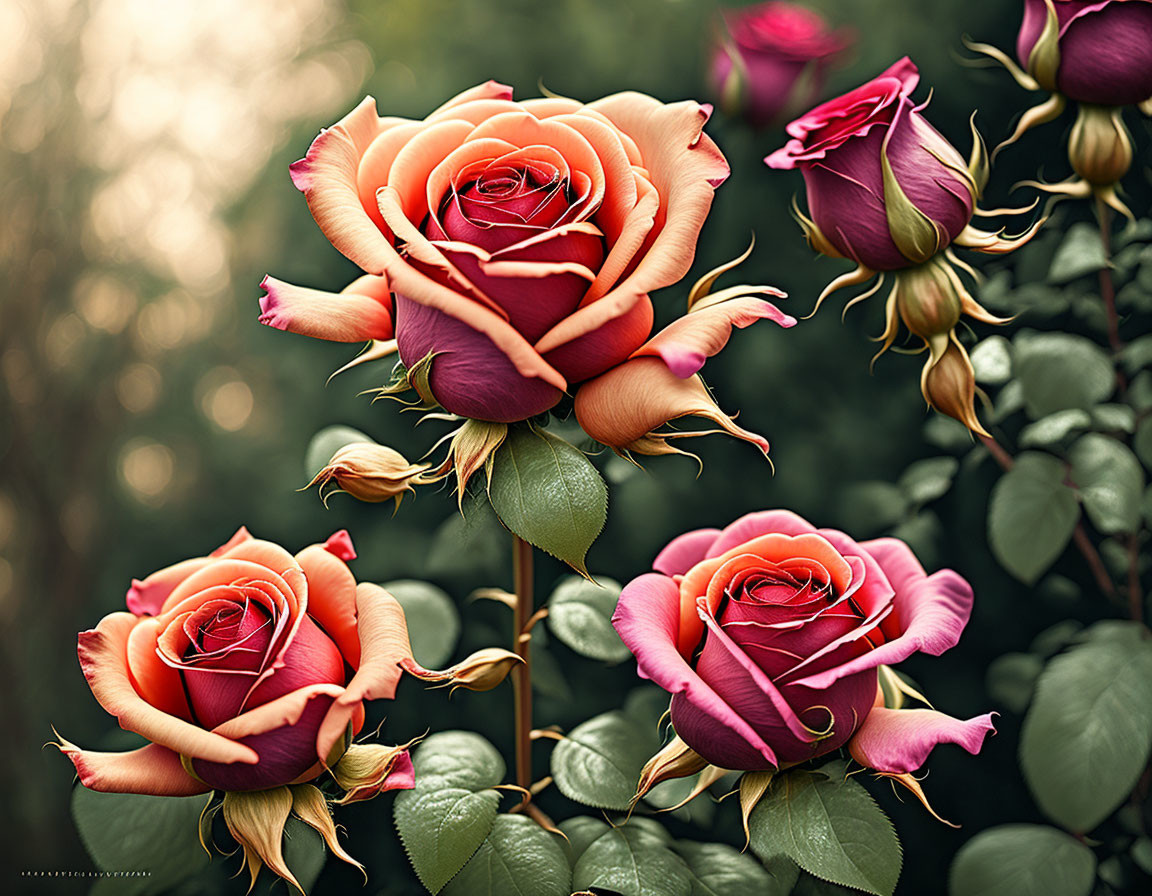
(145, 414)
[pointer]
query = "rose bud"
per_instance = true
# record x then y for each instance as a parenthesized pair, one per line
(368, 472)
(771, 59)
(884, 187)
(1099, 145)
(1092, 51)
(520, 240)
(887, 191)
(482, 671)
(769, 634)
(949, 384)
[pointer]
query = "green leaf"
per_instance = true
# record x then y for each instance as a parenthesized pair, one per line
(433, 622)
(927, 480)
(1058, 371)
(547, 492)
(518, 858)
(1022, 860)
(1051, 429)
(443, 821)
(1080, 253)
(1142, 442)
(1137, 354)
(1011, 679)
(1031, 515)
(1110, 482)
(719, 870)
(131, 832)
(304, 854)
(599, 762)
(831, 828)
(1118, 417)
(327, 442)
(868, 508)
(580, 615)
(1088, 733)
(633, 861)
(471, 545)
(992, 360)
(581, 832)
(548, 678)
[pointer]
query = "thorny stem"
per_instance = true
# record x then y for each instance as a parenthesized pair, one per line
(1107, 288)
(1079, 536)
(522, 675)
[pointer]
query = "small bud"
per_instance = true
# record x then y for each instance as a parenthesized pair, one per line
(928, 301)
(368, 770)
(481, 671)
(1100, 147)
(677, 760)
(949, 385)
(369, 472)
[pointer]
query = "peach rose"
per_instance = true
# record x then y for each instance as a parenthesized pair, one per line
(246, 669)
(516, 244)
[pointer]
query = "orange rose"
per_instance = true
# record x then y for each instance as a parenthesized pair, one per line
(246, 669)
(515, 244)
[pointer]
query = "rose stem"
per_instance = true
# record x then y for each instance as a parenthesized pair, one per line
(522, 675)
(1079, 536)
(1107, 289)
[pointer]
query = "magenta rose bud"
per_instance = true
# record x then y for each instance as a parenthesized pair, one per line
(773, 59)
(885, 188)
(769, 635)
(1102, 49)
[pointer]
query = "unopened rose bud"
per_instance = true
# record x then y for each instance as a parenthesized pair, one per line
(481, 671)
(676, 760)
(949, 385)
(367, 770)
(1100, 147)
(928, 301)
(369, 472)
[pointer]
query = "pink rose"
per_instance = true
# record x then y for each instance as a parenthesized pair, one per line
(1104, 48)
(246, 669)
(769, 634)
(885, 189)
(773, 59)
(520, 241)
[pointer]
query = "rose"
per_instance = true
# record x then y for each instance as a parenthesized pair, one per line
(773, 59)
(520, 240)
(246, 669)
(1102, 51)
(884, 187)
(769, 635)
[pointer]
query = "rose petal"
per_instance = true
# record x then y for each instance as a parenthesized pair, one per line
(383, 643)
(597, 337)
(685, 551)
(753, 525)
(146, 598)
(152, 770)
(685, 166)
(103, 660)
(687, 342)
(240, 536)
(647, 618)
(332, 598)
(899, 740)
(931, 611)
(628, 402)
(361, 311)
(472, 375)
